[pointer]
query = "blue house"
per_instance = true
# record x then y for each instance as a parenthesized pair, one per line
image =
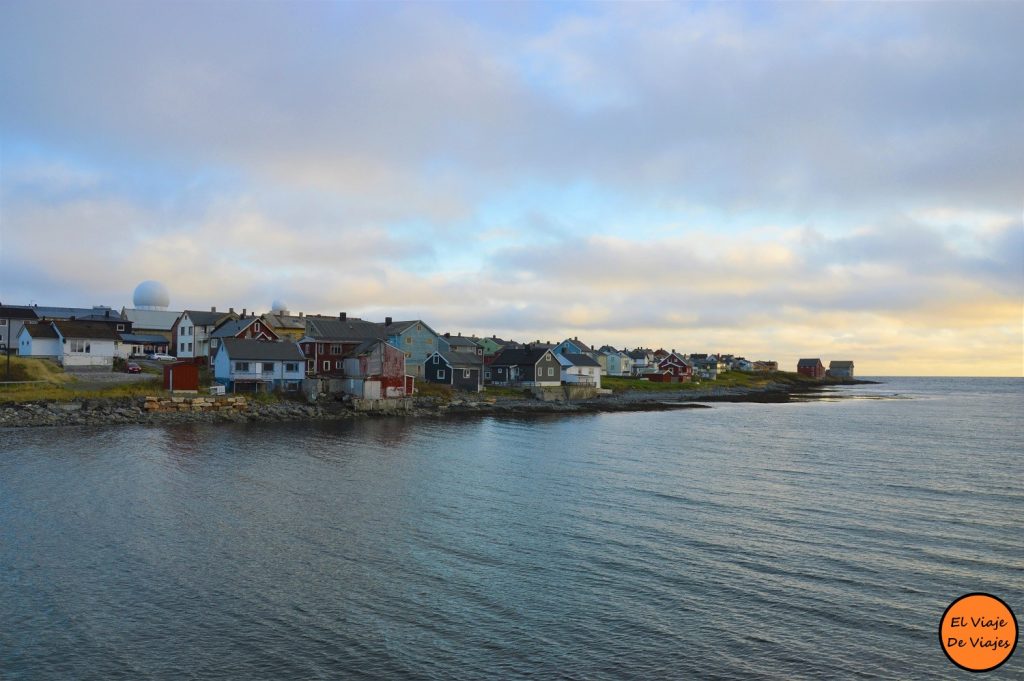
(248, 365)
(417, 340)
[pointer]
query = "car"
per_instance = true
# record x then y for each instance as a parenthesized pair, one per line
(133, 368)
(161, 357)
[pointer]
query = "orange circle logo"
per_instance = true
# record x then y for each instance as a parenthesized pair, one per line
(978, 632)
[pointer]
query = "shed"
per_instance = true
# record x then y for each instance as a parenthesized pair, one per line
(181, 377)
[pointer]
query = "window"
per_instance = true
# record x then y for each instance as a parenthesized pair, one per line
(320, 348)
(408, 340)
(291, 386)
(327, 366)
(551, 371)
(419, 327)
(465, 373)
(309, 366)
(268, 367)
(3, 322)
(241, 366)
(256, 327)
(440, 373)
(291, 366)
(182, 348)
(335, 349)
(487, 374)
(213, 342)
(190, 347)
(337, 364)
(79, 345)
(408, 355)
(120, 327)
(430, 341)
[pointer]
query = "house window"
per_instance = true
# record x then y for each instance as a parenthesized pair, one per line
(440, 373)
(335, 349)
(327, 366)
(465, 373)
(241, 366)
(337, 364)
(309, 365)
(256, 327)
(430, 341)
(79, 345)
(320, 348)
(291, 366)
(268, 367)
(408, 340)
(190, 347)
(213, 342)
(3, 322)
(182, 348)
(291, 386)
(551, 371)
(408, 355)
(487, 374)
(120, 327)
(419, 327)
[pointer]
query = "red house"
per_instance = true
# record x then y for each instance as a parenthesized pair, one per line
(672, 369)
(253, 328)
(811, 367)
(329, 341)
(380, 369)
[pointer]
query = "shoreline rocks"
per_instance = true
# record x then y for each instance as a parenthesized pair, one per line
(239, 409)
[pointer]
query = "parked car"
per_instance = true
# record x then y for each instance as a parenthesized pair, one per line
(133, 368)
(161, 357)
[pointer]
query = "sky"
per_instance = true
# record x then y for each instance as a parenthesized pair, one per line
(777, 181)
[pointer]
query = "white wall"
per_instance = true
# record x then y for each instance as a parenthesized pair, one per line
(101, 353)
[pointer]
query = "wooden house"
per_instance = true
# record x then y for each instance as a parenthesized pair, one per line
(528, 366)
(39, 340)
(192, 330)
(242, 328)
(461, 370)
(840, 368)
(375, 369)
(416, 339)
(811, 367)
(581, 370)
(672, 369)
(329, 340)
(251, 365)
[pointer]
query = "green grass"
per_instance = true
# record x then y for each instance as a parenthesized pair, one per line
(57, 385)
(729, 379)
(508, 393)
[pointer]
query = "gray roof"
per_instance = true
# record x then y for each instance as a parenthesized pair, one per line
(809, 362)
(161, 320)
(285, 321)
(581, 360)
(332, 328)
(840, 364)
(462, 342)
(205, 317)
(256, 350)
(519, 356)
(143, 338)
(68, 312)
(232, 327)
(462, 360)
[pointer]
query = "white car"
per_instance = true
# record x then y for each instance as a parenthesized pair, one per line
(161, 357)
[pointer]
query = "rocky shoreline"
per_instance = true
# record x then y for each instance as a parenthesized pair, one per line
(143, 410)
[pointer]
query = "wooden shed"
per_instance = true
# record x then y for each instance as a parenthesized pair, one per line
(181, 377)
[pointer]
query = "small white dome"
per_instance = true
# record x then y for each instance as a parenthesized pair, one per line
(279, 307)
(151, 294)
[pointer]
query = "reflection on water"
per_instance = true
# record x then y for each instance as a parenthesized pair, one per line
(812, 539)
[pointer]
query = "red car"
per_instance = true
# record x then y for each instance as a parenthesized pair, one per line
(133, 368)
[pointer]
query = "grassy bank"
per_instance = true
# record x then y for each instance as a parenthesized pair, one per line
(730, 379)
(51, 382)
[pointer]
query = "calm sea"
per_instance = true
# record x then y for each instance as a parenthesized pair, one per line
(817, 539)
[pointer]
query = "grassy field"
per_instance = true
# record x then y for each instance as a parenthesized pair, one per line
(729, 379)
(57, 385)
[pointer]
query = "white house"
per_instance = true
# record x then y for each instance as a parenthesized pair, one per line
(582, 370)
(87, 344)
(243, 364)
(39, 340)
(192, 330)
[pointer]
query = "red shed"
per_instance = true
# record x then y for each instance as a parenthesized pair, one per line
(181, 376)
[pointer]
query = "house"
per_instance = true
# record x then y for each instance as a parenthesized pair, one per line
(573, 346)
(190, 334)
(672, 369)
(86, 345)
(416, 339)
(494, 345)
(582, 370)
(250, 328)
(741, 364)
(529, 366)
(39, 340)
(705, 366)
(12, 319)
(328, 341)
(461, 370)
(610, 360)
(375, 369)
(150, 322)
(287, 325)
(464, 344)
(766, 365)
(250, 365)
(811, 367)
(94, 313)
(138, 344)
(642, 360)
(840, 369)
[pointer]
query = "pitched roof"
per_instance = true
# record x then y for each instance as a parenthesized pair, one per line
(17, 312)
(152, 339)
(161, 320)
(578, 343)
(519, 356)
(352, 329)
(285, 321)
(66, 312)
(93, 330)
(809, 362)
(840, 364)
(205, 317)
(462, 360)
(257, 350)
(581, 360)
(232, 327)
(41, 330)
(461, 342)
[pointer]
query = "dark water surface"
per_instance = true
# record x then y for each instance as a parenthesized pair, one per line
(806, 540)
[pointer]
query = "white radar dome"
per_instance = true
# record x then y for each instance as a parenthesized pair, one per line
(279, 306)
(151, 294)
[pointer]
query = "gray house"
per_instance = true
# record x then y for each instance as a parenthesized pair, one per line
(840, 369)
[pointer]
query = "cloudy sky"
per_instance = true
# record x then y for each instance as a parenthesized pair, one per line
(773, 180)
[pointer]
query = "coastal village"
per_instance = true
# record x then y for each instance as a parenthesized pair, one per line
(243, 351)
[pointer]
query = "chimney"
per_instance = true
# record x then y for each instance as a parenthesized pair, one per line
(447, 335)
(387, 321)
(231, 310)
(244, 311)
(213, 308)
(300, 315)
(343, 316)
